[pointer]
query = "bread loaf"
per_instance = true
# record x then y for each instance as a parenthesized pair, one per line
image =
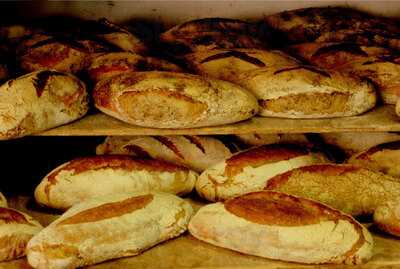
(380, 65)
(3, 200)
(249, 170)
(228, 64)
(383, 158)
(257, 139)
(42, 51)
(351, 189)
(91, 177)
(387, 217)
(107, 65)
(334, 24)
(300, 91)
(195, 152)
(39, 101)
(16, 229)
(284, 227)
(173, 100)
(107, 228)
(353, 143)
(211, 33)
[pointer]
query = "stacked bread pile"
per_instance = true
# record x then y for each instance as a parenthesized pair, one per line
(275, 196)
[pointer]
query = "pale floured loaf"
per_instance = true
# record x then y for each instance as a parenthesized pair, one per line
(249, 170)
(195, 152)
(284, 227)
(299, 91)
(91, 177)
(3, 200)
(351, 189)
(383, 158)
(173, 100)
(107, 228)
(40, 101)
(16, 229)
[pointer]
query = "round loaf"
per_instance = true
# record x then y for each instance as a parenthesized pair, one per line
(284, 227)
(195, 152)
(249, 170)
(383, 158)
(91, 177)
(173, 100)
(107, 65)
(16, 229)
(40, 101)
(108, 228)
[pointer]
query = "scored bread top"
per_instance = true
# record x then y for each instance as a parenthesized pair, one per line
(261, 155)
(395, 145)
(8, 215)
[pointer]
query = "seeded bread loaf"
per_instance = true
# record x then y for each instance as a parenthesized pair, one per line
(16, 229)
(195, 152)
(284, 227)
(249, 170)
(108, 228)
(173, 100)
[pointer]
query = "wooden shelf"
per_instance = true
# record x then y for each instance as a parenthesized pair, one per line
(188, 252)
(378, 120)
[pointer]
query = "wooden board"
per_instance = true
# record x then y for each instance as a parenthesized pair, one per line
(188, 252)
(378, 120)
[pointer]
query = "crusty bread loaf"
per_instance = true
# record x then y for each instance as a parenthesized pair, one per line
(108, 228)
(284, 227)
(91, 177)
(211, 33)
(107, 65)
(173, 100)
(42, 51)
(383, 158)
(16, 229)
(249, 170)
(334, 24)
(379, 65)
(300, 91)
(195, 152)
(3, 200)
(39, 101)
(351, 189)
(257, 139)
(353, 143)
(387, 217)
(228, 64)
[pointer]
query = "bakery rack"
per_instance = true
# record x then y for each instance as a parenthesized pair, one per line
(185, 251)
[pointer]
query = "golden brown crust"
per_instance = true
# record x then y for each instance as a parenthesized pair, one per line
(323, 169)
(9, 216)
(262, 155)
(273, 208)
(109, 210)
(390, 146)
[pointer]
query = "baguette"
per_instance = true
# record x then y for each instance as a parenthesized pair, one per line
(91, 177)
(195, 152)
(173, 100)
(249, 170)
(3, 200)
(380, 65)
(16, 229)
(40, 101)
(284, 227)
(107, 228)
(383, 158)
(107, 65)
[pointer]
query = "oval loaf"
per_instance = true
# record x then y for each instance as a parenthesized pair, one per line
(173, 100)
(39, 101)
(91, 177)
(195, 152)
(284, 227)
(16, 229)
(108, 228)
(249, 170)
